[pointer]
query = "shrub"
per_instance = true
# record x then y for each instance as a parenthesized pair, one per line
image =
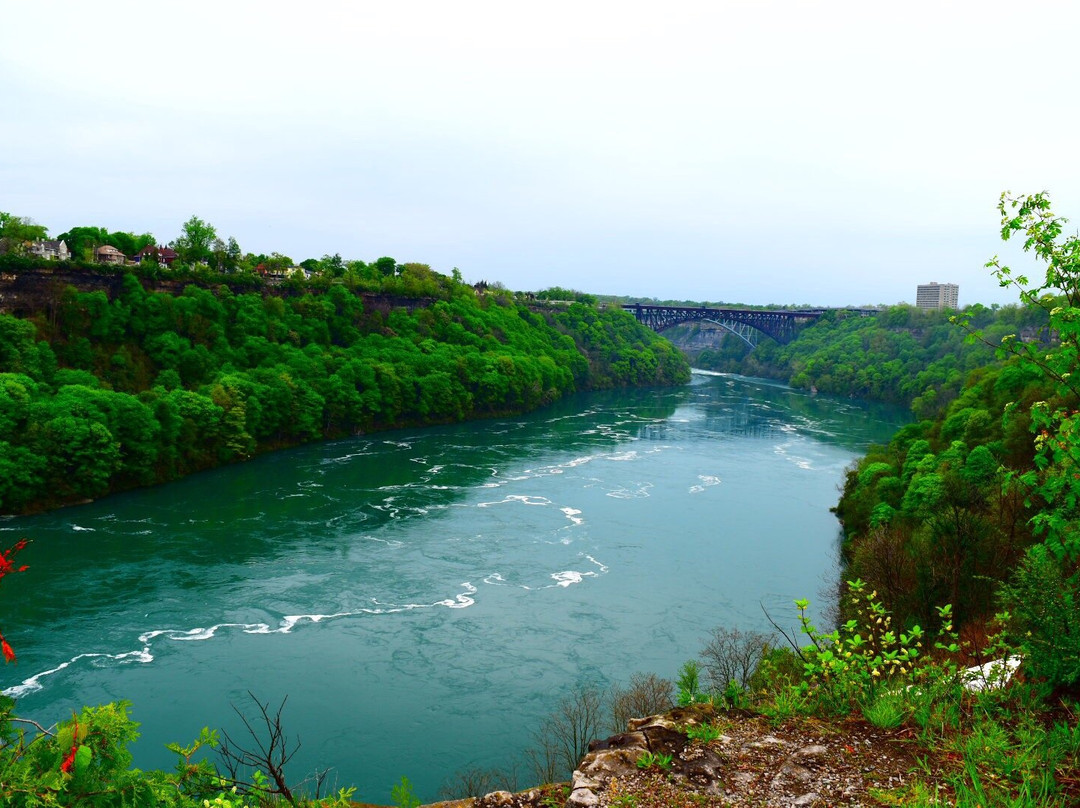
(645, 694)
(1046, 605)
(732, 655)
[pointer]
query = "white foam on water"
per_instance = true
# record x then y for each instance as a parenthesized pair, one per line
(33, 684)
(345, 457)
(625, 493)
(577, 461)
(804, 463)
(288, 623)
(563, 579)
(569, 577)
(707, 481)
(524, 499)
(462, 601)
(603, 567)
(572, 515)
(80, 527)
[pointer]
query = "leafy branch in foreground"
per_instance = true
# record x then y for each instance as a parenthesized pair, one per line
(1044, 594)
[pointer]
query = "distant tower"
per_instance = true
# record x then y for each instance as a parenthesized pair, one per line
(935, 295)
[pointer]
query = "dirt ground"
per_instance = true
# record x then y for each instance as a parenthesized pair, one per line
(800, 762)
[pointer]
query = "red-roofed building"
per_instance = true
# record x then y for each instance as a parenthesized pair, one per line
(164, 255)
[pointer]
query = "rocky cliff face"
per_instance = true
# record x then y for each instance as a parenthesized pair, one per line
(38, 289)
(28, 291)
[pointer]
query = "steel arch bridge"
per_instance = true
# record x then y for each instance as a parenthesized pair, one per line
(750, 325)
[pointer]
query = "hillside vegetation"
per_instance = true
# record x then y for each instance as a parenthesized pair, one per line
(903, 355)
(99, 394)
(962, 538)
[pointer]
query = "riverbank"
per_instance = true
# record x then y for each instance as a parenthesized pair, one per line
(106, 392)
(558, 538)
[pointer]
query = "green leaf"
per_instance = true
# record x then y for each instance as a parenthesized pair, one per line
(82, 759)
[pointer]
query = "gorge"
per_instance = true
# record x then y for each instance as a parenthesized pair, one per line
(424, 597)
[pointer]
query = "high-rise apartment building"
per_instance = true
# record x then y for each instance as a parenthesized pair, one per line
(937, 295)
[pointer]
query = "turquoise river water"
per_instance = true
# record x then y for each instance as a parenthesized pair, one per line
(425, 597)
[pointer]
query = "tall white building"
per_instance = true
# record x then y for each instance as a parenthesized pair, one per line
(935, 295)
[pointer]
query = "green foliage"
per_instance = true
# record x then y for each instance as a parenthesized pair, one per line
(688, 683)
(403, 796)
(86, 761)
(650, 760)
(887, 710)
(196, 241)
(558, 293)
(988, 492)
(903, 355)
(1013, 751)
(703, 732)
(110, 393)
(865, 658)
(1046, 605)
(81, 241)
(16, 231)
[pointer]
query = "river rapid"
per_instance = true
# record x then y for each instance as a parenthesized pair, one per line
(425, 597)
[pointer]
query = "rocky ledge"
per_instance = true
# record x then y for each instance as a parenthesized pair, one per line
(799, 762)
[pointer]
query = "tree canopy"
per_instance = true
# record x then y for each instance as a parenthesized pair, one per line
(16, 231)
(105, 394)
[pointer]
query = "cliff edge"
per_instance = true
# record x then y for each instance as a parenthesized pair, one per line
(749, 762)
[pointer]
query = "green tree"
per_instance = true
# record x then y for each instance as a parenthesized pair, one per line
(81, 241)
(196, 241)
(16, 231)
(1050, 636)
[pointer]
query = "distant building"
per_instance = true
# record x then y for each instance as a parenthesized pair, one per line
(164, 255)
(107, 254)
(52, 250)
(937, 295)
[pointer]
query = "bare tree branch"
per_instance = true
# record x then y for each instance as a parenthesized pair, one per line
(270, 753)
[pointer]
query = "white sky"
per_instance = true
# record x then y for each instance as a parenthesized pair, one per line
(756, 151)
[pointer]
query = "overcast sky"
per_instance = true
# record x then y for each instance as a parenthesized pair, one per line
(761, 152)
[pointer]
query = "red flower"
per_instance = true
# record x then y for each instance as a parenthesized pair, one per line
(69, 761)
(5, 558)
(7, 567)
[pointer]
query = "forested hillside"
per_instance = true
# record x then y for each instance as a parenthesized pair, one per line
(99, 395)
(978, 506)
(903, 355)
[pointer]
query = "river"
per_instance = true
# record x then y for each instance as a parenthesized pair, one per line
(424, 597)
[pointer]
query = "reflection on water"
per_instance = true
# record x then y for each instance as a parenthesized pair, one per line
(450, 581)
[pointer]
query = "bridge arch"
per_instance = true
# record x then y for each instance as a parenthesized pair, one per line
(747, 324)
(748, 334)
